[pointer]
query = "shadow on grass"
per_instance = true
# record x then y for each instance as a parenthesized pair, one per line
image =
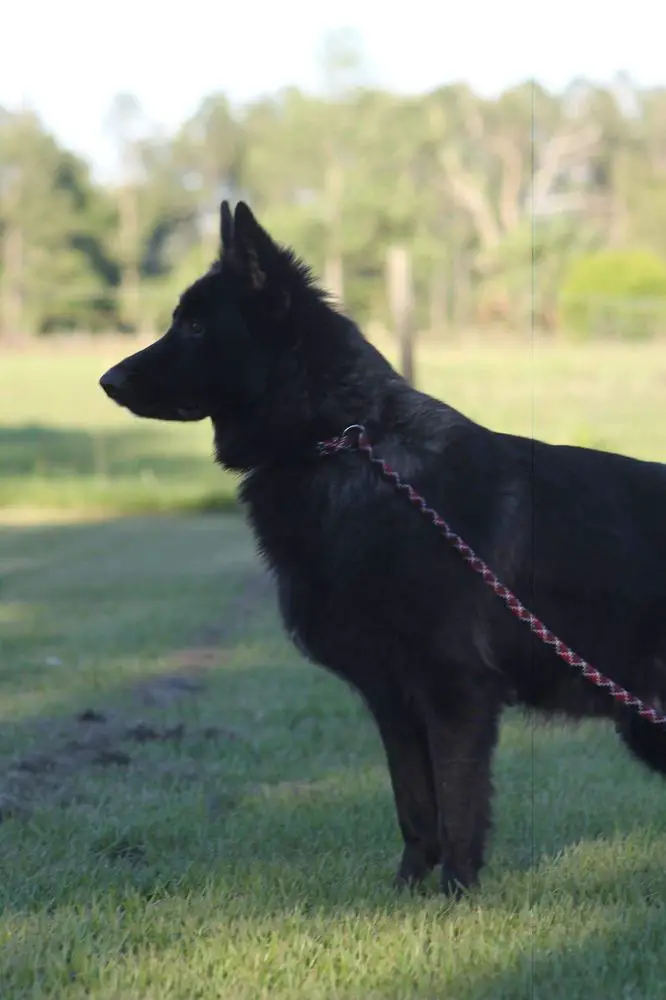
(58, 456)
(316, 849)
(273, 800)
(38, 450)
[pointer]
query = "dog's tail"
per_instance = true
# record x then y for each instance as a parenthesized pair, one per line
(646, 740)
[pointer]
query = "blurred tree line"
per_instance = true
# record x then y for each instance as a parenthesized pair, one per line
(534, 209)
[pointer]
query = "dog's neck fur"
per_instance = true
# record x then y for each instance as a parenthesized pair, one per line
(254, 443)
(337, 378)
(388, 408)
(344, 380)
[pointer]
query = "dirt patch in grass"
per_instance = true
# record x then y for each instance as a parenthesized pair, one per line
(94, 740)
(100, 737)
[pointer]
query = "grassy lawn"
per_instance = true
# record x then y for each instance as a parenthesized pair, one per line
(64, 445)
(187, 810)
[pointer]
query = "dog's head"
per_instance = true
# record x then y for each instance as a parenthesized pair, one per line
(253, 345)
(224, 330)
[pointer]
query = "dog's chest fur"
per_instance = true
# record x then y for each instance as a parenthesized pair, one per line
(314, 530)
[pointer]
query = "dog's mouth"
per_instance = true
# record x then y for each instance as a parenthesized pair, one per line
(190, 413)
(154, 411)
(120, 389)
(182, 414)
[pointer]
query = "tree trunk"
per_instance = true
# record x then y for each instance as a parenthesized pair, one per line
(334, 278)
(401, 304)
(12, 272)
(11, 289)
(461, 290)
(438, 305)
(129, 236)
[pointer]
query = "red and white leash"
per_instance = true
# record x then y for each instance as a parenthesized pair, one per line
(355, 438)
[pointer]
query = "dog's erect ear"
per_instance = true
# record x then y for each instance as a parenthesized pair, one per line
(226, 226)
(254, 250)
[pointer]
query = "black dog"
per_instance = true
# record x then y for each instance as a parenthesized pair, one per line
(366, 588)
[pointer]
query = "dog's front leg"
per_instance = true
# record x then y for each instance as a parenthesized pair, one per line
(462, 735)
(405, 741)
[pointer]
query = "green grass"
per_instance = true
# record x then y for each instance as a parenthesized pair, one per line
(63, 444)
(249, 854)
(232, 835)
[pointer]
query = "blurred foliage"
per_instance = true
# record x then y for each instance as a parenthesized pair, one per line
(499, 203)
(619, 293)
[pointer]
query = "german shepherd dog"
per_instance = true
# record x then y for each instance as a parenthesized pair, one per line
(365, 587)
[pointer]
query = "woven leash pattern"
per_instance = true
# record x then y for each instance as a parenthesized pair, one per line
(354, 438)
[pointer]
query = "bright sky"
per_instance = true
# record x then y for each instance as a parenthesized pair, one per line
(67, 58)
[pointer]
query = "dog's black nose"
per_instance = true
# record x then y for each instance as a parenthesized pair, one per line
(112, 382)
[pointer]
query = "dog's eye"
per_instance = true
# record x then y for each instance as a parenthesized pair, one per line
(196, 329)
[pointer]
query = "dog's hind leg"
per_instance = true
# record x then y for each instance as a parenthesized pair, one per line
(405, 741)
(462, 736)
(646, 740)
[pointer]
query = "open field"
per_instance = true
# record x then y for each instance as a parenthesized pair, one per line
(187, 810)
(63, 444)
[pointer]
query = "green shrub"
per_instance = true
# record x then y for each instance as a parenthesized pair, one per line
(614, 293)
